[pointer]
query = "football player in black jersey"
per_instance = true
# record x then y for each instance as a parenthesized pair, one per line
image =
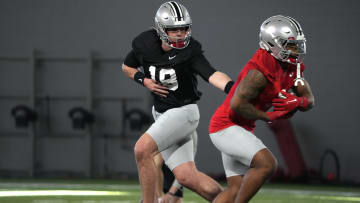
(171, 60)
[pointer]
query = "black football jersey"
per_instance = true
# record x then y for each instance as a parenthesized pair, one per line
(176, 69)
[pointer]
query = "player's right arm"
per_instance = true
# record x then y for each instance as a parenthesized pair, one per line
(139, 77)
(247, 90)
(129, 68)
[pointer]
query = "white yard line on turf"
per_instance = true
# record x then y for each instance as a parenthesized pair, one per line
(322, 194)
(68, 185)
(23, 193)
(82, 201)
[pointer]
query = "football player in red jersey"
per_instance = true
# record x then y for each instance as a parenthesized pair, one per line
(266, 81)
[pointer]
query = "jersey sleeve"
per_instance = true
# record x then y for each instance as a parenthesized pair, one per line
(131, 60)
(264, 63)
(202, 67)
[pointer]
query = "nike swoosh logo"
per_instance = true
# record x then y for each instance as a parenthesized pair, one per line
(171, 57)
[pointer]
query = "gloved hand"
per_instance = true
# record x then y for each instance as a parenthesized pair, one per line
(289, 114)
(273, 115)
(290, 103)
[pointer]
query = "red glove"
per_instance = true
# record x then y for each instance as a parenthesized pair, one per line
(273, 115)
(289, 114)
(290, 103)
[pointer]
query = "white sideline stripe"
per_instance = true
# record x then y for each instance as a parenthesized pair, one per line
(82, 201)
(18, 193)
(71, 188)
(69, 185)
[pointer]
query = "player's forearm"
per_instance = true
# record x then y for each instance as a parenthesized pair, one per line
(219, 80)
(248, 111)
(129, 71)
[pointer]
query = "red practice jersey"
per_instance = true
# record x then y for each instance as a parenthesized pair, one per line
(278, 79)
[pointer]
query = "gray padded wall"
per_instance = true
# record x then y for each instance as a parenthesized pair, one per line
(228, 31)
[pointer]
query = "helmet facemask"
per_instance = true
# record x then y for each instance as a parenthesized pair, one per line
(291, 51)
(175, 42)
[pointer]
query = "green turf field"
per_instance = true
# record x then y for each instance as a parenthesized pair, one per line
(112, 191)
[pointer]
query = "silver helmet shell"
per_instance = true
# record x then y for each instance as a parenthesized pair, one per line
(277, 32)
(173, 15)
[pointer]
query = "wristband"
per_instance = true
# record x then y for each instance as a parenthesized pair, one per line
(139, 77)
(228, 86)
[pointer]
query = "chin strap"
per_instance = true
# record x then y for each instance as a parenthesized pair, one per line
(298, 79)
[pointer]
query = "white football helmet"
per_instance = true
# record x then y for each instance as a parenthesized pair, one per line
(279, 32)
(172, 15)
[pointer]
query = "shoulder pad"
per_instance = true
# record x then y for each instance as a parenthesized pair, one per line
(147, 44)
(265, 63)
(195, 46)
